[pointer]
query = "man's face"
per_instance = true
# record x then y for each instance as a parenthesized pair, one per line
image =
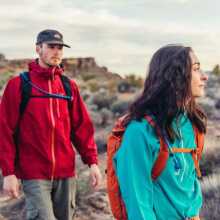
(50, 54)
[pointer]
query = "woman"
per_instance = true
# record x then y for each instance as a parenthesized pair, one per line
(173, 83)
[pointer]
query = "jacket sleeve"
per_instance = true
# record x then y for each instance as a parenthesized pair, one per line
(83, 130)
(9, 114)
(133, 163)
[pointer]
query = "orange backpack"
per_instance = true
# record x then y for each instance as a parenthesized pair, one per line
(114, 141)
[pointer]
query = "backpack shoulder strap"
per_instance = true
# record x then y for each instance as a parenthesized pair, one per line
(196, 153)
(25, 91)
(119, 127)
(25, 88)
(113, 189)
(163, 154)
(67, 87)
(199, 138)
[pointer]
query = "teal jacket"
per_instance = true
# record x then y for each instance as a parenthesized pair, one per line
(176, 193)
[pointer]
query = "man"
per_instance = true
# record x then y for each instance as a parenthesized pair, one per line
(42, 155)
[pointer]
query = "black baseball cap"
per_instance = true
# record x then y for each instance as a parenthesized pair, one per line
(50, 37)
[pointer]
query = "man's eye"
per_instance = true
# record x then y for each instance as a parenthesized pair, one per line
(59, 47)
(51, 46)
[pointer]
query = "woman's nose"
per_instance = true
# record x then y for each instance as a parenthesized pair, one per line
(204, 76)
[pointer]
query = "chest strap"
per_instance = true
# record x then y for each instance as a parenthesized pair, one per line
(194, 156)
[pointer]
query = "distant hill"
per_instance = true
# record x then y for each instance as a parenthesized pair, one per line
(74, 67)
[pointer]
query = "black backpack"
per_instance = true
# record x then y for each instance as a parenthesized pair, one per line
(26, 86)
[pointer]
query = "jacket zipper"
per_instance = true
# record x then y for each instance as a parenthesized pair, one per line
(58, 108)
(52, 132)
(57, 101)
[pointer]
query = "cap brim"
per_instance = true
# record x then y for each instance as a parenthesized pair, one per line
(56, 42)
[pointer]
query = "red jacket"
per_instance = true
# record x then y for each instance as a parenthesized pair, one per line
(44, 146)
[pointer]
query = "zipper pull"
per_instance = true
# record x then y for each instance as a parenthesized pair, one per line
(177, 164)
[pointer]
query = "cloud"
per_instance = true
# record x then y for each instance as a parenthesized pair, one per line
(180, 1)
(121, 36)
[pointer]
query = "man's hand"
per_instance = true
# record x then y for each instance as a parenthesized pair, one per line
(11, 186)
(96, 176)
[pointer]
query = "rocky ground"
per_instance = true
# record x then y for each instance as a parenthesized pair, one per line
(93, 205)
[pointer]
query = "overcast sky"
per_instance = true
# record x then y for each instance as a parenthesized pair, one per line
(121, 34)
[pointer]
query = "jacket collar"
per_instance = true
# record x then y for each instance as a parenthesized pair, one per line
(48, 73)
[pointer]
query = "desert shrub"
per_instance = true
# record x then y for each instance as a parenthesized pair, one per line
(101, 137)
(120, 107)
(4, 77)
(112, 86)
(96, 118)
(211, 197)
(208, 107)
(216, 70)
(135, 80)
(103, 100)
(101, 144)
(93, 86)
(85, 94)
(124, 87)
(210, 163)
(101, 118)
(92, 108)
(87, 76)
(106, 116)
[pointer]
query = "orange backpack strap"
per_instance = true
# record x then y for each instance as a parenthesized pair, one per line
(163, 154)
(196, 153)
(194, 156)
(114, 195)
(199, 136)
(181, 150)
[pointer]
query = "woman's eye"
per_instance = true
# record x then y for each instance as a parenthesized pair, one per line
(197, 69)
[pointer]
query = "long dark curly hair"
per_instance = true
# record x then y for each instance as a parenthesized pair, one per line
(167, 91)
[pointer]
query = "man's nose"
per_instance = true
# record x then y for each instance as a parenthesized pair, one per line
(56, 50)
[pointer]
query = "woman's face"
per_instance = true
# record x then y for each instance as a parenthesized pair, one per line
(199, 78)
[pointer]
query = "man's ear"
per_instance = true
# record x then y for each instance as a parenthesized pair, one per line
(38, 48)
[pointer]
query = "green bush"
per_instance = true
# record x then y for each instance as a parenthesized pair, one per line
(216, 70)
(134, 80)
(4, 77)
(93, 86)
(87, 76)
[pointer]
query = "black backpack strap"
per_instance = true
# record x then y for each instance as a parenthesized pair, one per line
(25, 95)
(67, 87)
(25, 91)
